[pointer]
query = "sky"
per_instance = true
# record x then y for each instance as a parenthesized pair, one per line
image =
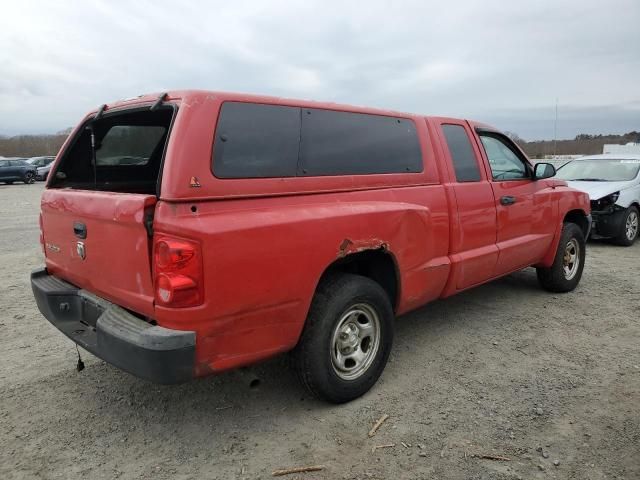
(506, 63)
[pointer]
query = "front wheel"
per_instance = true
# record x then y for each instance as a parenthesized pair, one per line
(29, 177)
(347, 338)
(629, 227)
(566, 270)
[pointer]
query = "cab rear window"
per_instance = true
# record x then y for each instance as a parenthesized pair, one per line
(129, 144)
(261, 141)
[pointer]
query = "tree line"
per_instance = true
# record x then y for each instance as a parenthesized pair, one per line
(583, 144)
(32, 145)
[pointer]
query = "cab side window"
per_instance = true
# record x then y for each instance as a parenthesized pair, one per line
(504, 162)
(464, 160)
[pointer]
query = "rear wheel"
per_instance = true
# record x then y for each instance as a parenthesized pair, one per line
(629, 227)
(347, 338)
(566, 270)
(29, 177)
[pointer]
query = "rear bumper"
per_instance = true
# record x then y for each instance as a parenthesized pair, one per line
(111, 333)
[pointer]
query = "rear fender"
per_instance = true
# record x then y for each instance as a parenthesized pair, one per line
(263, 259)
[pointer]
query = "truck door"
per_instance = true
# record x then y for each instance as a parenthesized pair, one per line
(473, 249)
(526, 220)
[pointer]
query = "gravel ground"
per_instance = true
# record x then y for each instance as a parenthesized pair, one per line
(551, 382)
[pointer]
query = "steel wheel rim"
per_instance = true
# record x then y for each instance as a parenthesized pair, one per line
(355, 341)
(571, 259)
(30, 177)
(632, 226)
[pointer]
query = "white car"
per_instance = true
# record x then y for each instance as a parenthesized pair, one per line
(613, 184)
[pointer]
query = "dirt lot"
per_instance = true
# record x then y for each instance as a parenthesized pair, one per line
(550, 381)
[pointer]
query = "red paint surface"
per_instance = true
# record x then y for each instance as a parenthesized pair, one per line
(266, 242)
(117, 265)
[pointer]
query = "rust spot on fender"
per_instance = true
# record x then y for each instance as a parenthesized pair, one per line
(348, 246)
(345, 244)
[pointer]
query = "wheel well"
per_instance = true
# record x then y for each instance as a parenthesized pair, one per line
(579, 218)
(378, 265)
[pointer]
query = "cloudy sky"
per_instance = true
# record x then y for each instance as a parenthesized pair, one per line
(502, 62)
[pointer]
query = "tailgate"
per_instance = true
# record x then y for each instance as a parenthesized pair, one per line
(113, 258)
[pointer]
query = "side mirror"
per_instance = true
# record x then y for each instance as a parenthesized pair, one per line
(543, 170)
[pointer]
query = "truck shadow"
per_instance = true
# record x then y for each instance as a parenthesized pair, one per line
(270, 391)
(242, 410)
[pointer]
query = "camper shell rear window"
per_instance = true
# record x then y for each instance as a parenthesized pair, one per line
(120, 152)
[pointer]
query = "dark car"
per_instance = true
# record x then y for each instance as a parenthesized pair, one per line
(16, 170)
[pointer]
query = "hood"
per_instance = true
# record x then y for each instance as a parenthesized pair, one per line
(597, 190)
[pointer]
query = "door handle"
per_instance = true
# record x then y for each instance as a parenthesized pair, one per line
(507, 200)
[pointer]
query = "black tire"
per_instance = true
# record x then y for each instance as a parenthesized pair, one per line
(9, 183)
(625, 236)
(29, 177)
(313, 358)
(555, 278)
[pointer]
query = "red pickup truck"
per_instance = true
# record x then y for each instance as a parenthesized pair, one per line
(193, 232)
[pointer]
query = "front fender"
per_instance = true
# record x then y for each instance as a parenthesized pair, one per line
(570, 202)
(629, 196)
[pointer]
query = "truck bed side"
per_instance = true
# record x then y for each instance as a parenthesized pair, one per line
(271, 252)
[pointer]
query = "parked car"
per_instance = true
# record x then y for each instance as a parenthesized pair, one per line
(16, 170)
(258, 225)
(613, 184)
(40, 161)
(42, 164)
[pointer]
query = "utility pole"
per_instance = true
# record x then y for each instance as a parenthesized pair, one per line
(555, 132)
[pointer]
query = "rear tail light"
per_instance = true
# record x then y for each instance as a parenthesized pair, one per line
(177, 272)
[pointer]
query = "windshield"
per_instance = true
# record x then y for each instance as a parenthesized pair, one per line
(601, 170)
